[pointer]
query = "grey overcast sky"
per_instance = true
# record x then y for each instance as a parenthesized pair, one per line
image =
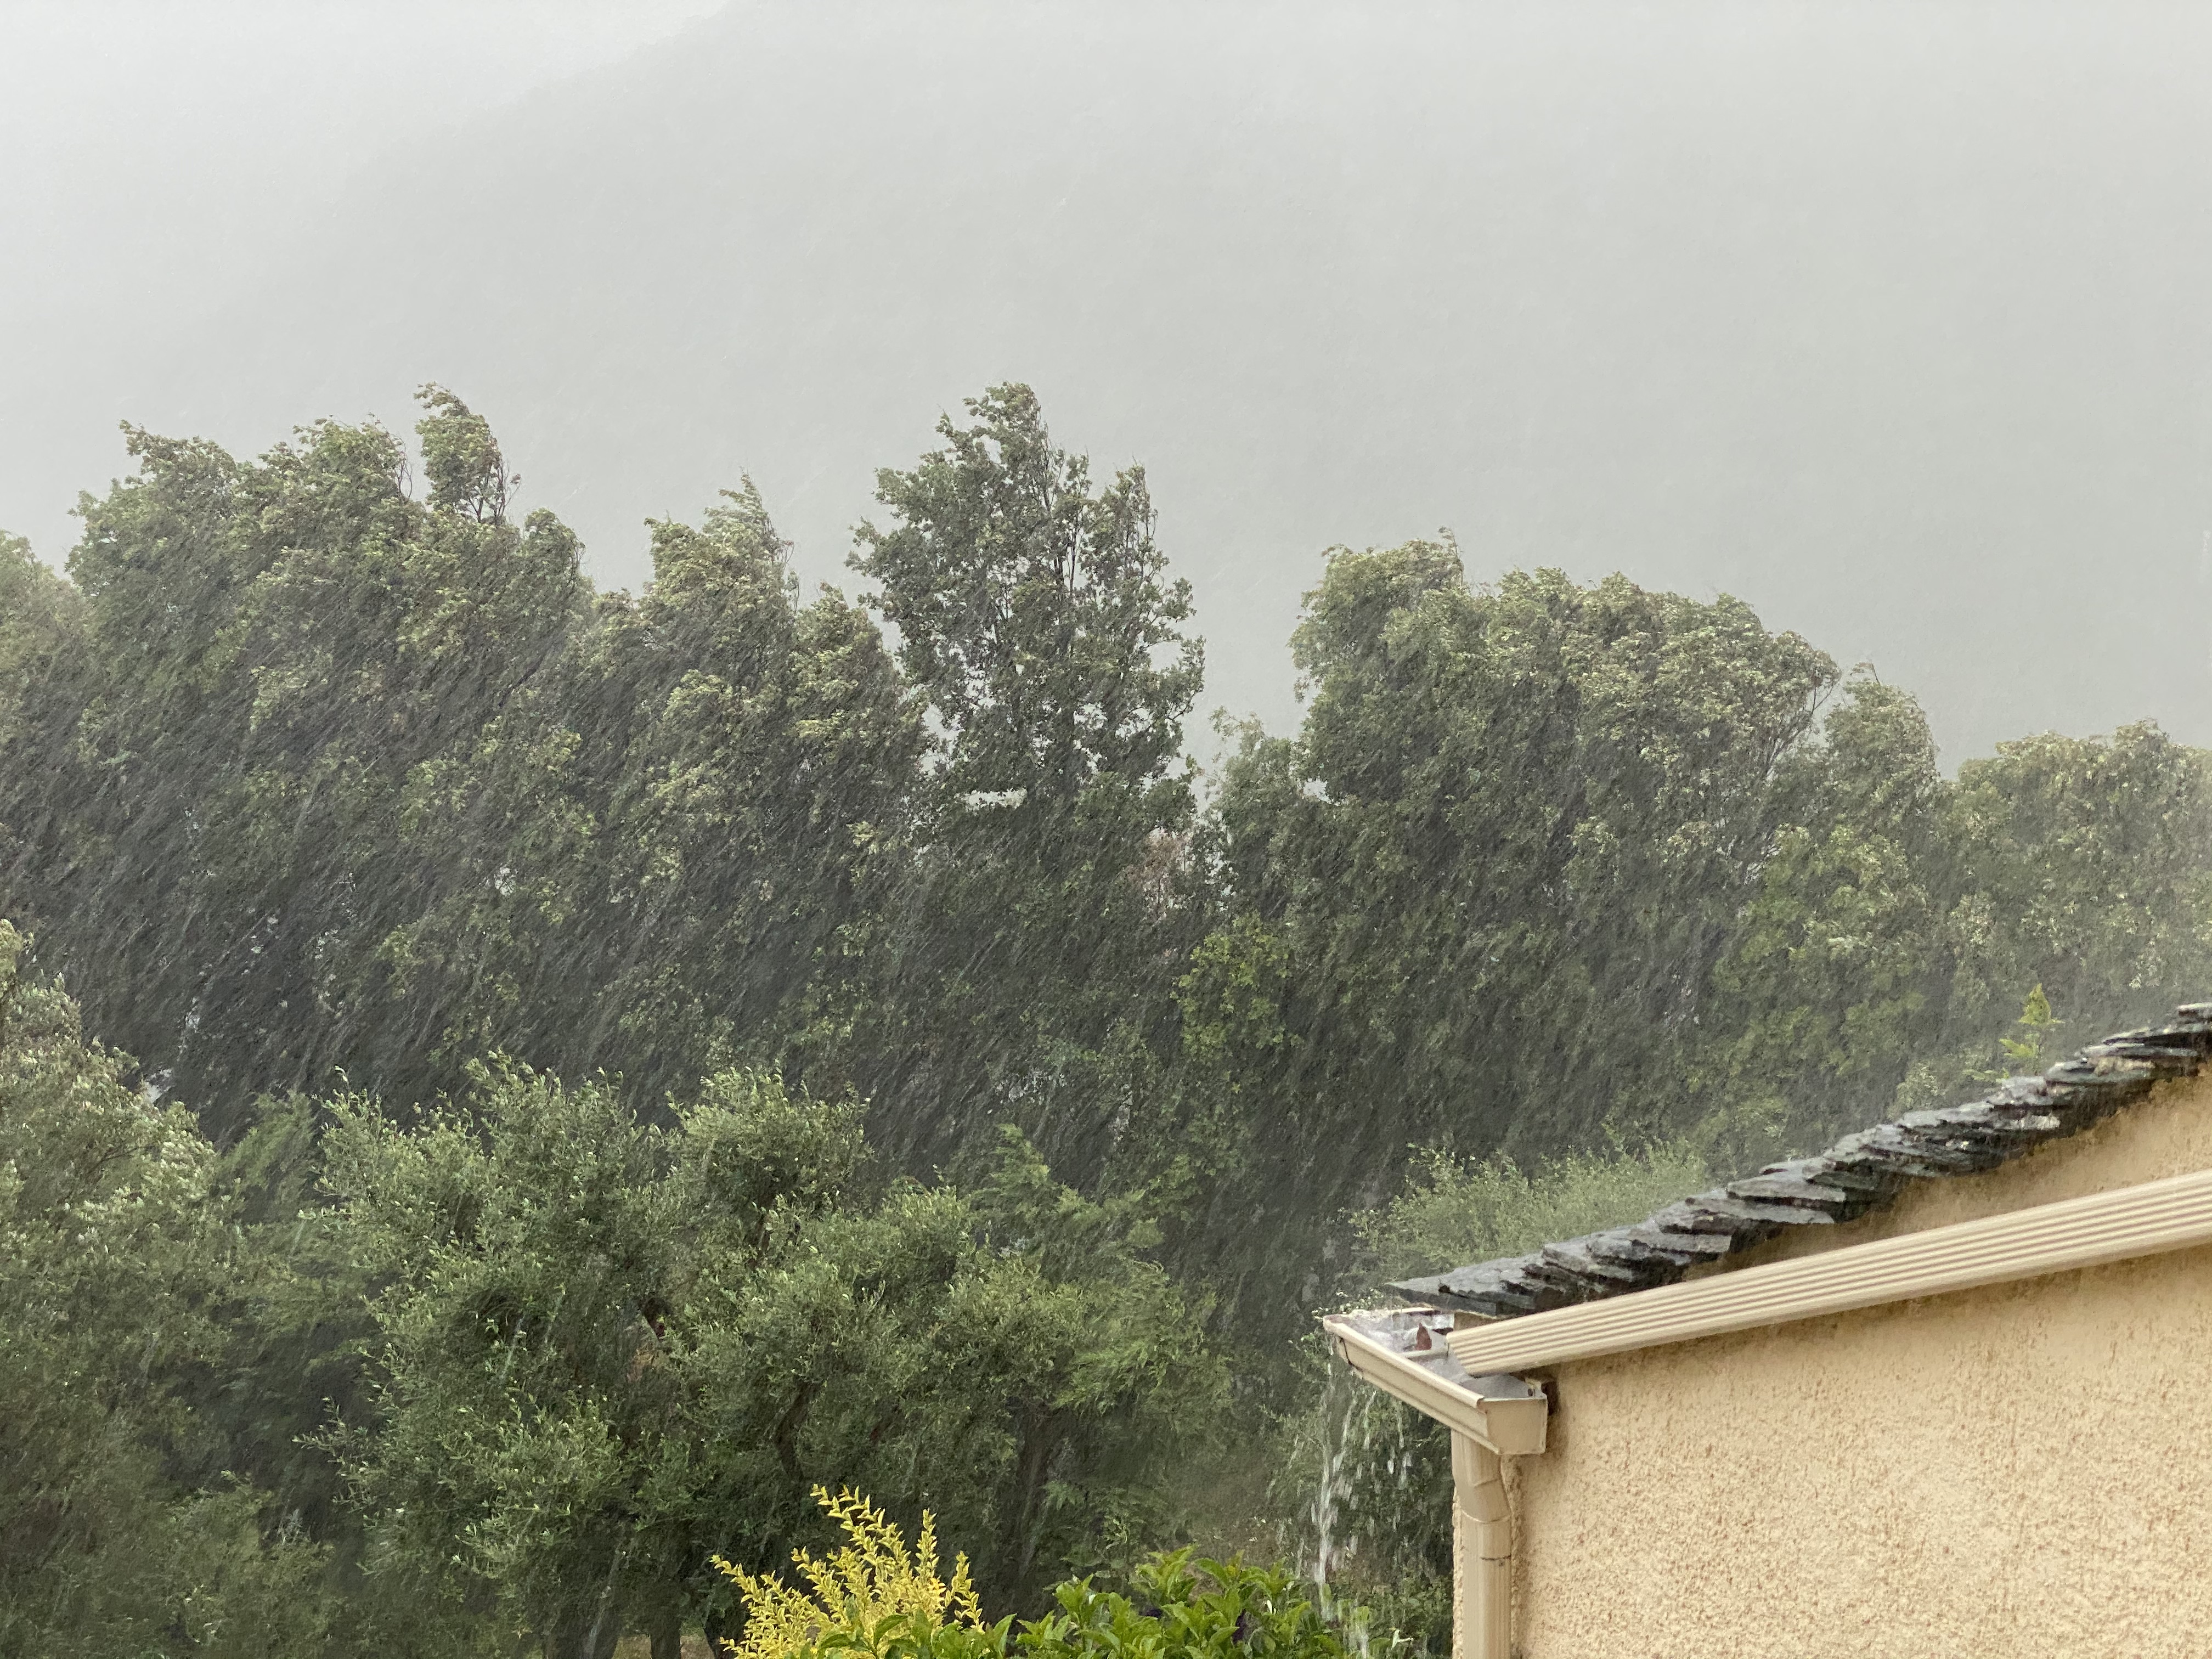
(1891, 320)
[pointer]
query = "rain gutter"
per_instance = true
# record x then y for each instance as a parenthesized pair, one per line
(1388, 1348)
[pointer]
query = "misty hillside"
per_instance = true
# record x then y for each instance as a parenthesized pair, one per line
(1885, 322)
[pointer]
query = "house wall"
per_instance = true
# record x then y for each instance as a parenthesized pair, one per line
(2022, 1470)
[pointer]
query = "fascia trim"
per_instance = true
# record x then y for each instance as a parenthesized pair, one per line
(2157, 1216)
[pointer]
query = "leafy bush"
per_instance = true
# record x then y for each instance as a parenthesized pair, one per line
(1189, 1608)
(877, 1597)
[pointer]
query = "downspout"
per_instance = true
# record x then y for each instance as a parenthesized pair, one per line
(1482, 1553)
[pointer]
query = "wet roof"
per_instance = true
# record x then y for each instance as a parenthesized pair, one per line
(1859, 1173)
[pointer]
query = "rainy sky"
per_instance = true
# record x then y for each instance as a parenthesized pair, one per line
(1894, 320)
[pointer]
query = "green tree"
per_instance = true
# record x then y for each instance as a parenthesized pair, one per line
(39, 614)
(608, 1351)
(665, 858)
(271, 651)
(306, 777)
(1031, 611)
(42, 624)
(1508, 846)
(1081, 1365)
(1030, 955)
(1835, 976)
(2085, 867)
(114, 1249)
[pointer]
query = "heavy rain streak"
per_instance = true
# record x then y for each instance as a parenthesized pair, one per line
(802, 748)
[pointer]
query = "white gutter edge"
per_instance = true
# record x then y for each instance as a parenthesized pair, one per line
(1512, 1428)
(2158, 1216)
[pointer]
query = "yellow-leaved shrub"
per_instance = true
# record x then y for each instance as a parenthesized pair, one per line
(873, 1582)
(876, 1599)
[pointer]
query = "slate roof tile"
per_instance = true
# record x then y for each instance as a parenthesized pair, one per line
(1860, 1172)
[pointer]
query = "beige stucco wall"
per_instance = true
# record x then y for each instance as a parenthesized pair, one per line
(2025, 1470)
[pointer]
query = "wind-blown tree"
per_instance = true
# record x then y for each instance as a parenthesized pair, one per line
(270, 652)
(1835, 977)
(1029, 955)
(1514, 834)
(1902, 919)
(306, 777)
(39, 618)
(659, 862)
(1549, 864)
(1503, 856)
(2087, 869)
(41, 643)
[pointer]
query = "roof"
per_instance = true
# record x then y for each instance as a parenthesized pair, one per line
(1860, 1173)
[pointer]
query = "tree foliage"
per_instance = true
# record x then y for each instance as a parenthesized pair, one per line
(610, 1351)
(114, 1252)
(1029, 957)
(1550, 865)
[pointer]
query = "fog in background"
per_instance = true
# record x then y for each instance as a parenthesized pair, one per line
(1891, 320)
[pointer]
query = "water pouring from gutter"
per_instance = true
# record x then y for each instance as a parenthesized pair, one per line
(1347, 1422)
(1405, 1352)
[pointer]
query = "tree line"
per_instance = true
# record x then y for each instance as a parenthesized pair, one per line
(571, 1070)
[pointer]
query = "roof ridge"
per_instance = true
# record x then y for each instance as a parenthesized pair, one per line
(1861, 1172)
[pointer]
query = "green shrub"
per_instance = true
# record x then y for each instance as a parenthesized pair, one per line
(875, 1596)
(1188, 1609)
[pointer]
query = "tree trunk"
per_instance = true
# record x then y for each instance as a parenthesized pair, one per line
(1034, 1465)
(587, 1629)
